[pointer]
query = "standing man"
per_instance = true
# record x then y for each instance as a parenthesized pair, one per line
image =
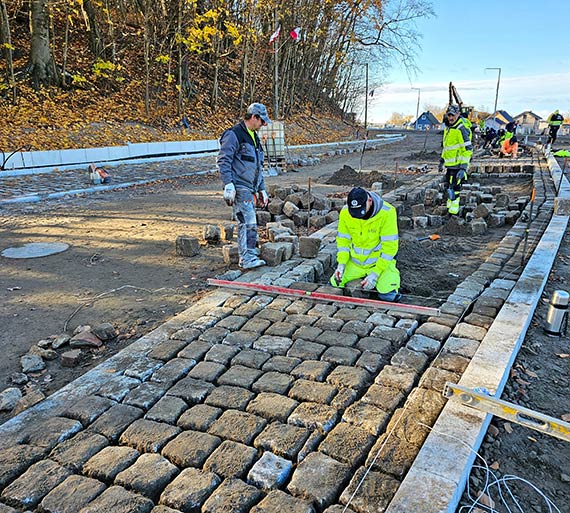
(240, 162)
(455, 157)
(555, 121)
(367, 245)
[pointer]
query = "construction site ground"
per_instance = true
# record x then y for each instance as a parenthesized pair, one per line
(122, 268)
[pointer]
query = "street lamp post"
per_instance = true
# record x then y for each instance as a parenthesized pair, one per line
(418, 105)
(496, 93)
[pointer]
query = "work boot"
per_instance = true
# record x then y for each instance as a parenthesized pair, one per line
(252, 264)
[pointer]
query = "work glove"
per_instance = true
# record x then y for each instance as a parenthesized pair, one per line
(263, 198)
(369, 282)
(230, 194)
(461, 175)
(338, 273)
(440, 166)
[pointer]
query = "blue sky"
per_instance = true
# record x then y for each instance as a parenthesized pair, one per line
(527, 39)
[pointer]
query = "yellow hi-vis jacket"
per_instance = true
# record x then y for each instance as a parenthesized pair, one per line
(457, 146)
(370, 243)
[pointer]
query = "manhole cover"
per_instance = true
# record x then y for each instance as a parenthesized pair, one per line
(35, 250)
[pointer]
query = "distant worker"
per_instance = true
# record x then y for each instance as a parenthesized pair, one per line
(555, 121)
(512, 127)
(455, 157)
(367, 245)
(509, 148)
(240, 162)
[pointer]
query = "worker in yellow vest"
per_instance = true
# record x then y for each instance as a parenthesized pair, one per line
(455, 157)
(367, 245)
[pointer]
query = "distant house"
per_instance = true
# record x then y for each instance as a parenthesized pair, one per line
(498, 120)
(426, 121)
(528, 123)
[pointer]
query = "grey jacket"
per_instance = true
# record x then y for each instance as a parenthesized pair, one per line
(239, 161)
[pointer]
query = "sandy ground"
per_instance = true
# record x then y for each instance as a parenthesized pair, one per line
(122, 268)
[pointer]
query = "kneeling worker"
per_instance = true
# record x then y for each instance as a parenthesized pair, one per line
(367, 244)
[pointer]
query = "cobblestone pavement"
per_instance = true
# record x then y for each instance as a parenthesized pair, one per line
(247, 402)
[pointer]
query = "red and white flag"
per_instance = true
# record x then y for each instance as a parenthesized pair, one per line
(275, 35)
(295, 33)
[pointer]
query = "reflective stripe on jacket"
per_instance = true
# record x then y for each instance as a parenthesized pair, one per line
(371, 243)
(240, 161)
(457, 147)
(555, 120)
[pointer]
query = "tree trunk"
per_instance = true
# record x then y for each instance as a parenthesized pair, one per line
(6, 39)
(96, 43)
(43, 69)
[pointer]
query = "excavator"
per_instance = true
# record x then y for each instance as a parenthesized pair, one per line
(454, 97)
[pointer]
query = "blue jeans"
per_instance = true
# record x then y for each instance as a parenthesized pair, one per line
(244, 212)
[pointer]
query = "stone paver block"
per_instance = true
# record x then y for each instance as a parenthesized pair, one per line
(397, 336)
(397, 377)
(71, 495)
(434, 330)
(186, 335)
(6, 509)
(273, 345)
(88, 408)
(240, 376)
(115, 420)
(272, 406)
(307, 333)
(232, 496)
(277, 501)
(461, 346)
(271, 315)
(464, 330)
(145, 395)
(256, 325)
(118, 500)
(319, 478)
(29, 489)
(106, 464)
(199, 418)
(164, 509)
(306, 350)
(207, 371)
(323, 310)
(118, 387)
(143, 368)
(73, 453)
(283, 364)
(148, 475)
(382, 319)
(312, 369)
(192, 390)
(435, 379)
(344, 398)
(314, 416)
(299, 306)
(360, 328)
(168, 349)
(374, 493)
(370, 361)
(423, 344)
(231, 459)
(195, 350)
(347, 443)
(445, 319)
(232, 322)
(214, 335)
(270, 472)
(482, 321)
(190, 448)
(300, 320)
(226, 397)
(172, 371)
(334, 338)
(187, 246)
(451, 362)
(16, 459)
(238, 426)
(367, 416)
(281, 329)
(148, 435)
(189, 490)
(282, 439)
(339, 355)
(221, 353)
(277, 382)
(344, 376)
(352, 314)
(50, 432)
(168, 410)
(310, 391)
(329, 324)
(375, 345)
(410, 359)
(386, 398)
(395, 456)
